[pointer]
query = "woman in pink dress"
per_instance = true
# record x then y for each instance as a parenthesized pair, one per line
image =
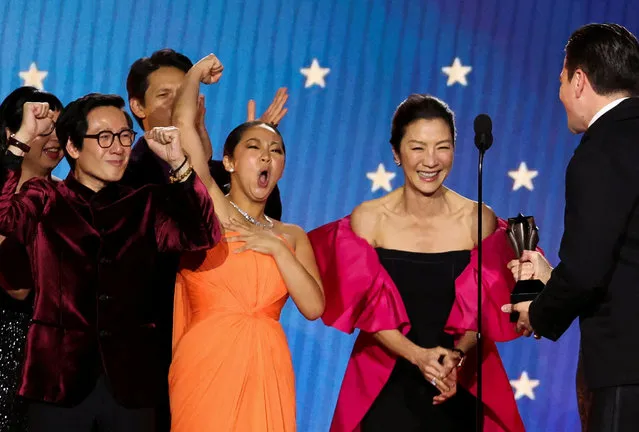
(402, 270)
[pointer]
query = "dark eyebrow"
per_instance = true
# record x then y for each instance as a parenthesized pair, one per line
(438, 142)
(125, 128)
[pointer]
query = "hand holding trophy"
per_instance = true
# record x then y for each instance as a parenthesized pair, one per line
(523, 235)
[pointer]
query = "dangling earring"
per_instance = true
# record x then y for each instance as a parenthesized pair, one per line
(398, 163)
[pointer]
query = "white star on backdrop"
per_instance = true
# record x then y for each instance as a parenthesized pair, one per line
(315, 74)
(33, 77)
(381, 179)
(523, 177)
(524, 386)
(456, 73)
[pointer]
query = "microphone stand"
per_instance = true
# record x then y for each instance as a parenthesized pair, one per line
(479, 347)
(483, 126)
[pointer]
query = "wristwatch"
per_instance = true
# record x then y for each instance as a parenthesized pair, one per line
(462, 356)
(13, 141)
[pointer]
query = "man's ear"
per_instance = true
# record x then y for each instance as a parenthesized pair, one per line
(137, 108)
(72, 150)
(579, 81)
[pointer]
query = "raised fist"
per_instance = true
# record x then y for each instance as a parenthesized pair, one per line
(165, 143)
(37, 117)
(210, 69)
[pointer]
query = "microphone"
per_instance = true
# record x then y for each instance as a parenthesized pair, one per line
(483, 126)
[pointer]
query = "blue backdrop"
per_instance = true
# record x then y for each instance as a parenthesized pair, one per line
(347, 65)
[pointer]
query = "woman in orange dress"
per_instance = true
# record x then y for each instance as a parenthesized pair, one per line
(232, 368)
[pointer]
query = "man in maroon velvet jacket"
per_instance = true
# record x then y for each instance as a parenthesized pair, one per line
(91, 354)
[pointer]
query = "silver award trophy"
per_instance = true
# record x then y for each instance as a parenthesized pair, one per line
(523, 235)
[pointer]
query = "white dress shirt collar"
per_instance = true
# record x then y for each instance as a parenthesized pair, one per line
(605, 109)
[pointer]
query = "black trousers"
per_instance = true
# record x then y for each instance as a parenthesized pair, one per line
(99, 412)
(615, 409)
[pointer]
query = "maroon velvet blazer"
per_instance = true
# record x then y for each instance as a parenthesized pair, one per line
(92, 256)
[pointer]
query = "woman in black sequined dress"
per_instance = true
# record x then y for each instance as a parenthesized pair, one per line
(15, 273)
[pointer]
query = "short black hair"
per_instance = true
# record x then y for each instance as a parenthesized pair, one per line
(416, 107)
(72, 123)
(233, 138)
(11, 109)
(608, 54)
(137, 82)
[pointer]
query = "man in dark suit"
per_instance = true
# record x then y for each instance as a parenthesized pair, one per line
(598, 276)
(152, 84)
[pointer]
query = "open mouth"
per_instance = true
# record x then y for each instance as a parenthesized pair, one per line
(52, 152)
(262, 178)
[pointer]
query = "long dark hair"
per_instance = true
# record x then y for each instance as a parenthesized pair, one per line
(11, 109)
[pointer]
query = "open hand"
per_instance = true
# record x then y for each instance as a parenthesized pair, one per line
(200, 124)
(275, 111)
(257, 239)
(210, 69)
(165, 143)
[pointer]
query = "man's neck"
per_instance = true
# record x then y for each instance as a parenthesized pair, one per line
(600, 102)
(89, 181)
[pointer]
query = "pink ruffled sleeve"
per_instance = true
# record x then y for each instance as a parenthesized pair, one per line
(359, 295)
(497, 284)
(355, 284)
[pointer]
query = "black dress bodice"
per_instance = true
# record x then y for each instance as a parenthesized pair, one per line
(426, 283)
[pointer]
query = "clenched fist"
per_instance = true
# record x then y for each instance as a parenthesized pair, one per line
(37, 117)
(210, 69)
(165, 143)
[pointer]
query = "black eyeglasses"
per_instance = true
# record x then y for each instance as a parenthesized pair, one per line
(107, 138)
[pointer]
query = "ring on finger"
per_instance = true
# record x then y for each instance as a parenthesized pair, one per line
(434, 381)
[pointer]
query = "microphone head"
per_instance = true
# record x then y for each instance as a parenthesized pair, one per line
(483, 126)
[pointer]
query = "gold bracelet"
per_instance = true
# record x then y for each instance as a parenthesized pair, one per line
(182, 168)
(178, 179)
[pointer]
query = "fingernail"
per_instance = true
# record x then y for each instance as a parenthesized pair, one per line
(505, 308)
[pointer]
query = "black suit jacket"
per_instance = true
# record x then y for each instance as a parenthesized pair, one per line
(598, 276)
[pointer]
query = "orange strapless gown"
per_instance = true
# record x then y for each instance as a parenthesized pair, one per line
(231, 368)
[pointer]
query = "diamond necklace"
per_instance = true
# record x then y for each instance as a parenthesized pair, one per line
(251, 219)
